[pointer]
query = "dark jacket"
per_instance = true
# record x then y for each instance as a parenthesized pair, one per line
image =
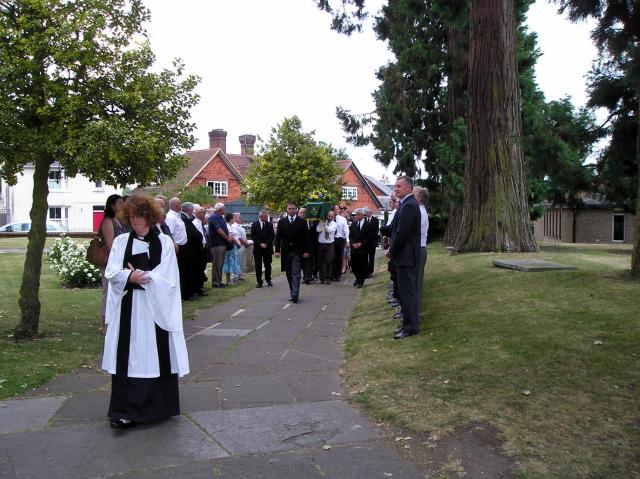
(193, 246)
(373, 229)
(361, 235)
(292, 237)
(262, 235)
(405, 234)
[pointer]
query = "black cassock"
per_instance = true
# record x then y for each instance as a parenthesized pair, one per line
(142, 399)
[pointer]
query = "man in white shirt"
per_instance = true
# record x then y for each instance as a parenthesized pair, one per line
(341, 239)
(175, 223)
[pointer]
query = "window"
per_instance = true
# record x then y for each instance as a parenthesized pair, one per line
(99, 185)
(618, 227)
(349, 192)
(58, 214)
(57, 180)
(219, 188)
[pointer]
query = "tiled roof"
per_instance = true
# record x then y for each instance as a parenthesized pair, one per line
(378, 184)
(240, 162)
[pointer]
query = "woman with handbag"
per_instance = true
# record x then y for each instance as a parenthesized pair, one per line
(110, 228)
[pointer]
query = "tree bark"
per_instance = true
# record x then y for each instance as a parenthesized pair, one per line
(458, 51)
(635, 257)
(29, 291)
(495, 215)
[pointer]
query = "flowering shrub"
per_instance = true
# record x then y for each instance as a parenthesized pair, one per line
(68, 260)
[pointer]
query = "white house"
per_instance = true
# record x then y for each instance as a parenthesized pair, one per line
(76, 203)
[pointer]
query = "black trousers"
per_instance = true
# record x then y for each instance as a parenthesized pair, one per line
(408, 279)
(371, 257)
(337, 261)
(259, 259)
(326, 260)
(359, 264)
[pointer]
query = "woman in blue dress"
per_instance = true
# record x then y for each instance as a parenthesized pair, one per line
(231, 265)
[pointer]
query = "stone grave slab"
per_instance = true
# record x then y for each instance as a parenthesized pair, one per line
(531, 265)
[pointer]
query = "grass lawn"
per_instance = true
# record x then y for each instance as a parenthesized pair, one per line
(69, 323)
(551, 359)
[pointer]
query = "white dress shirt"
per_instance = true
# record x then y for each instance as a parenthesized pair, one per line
(176, 225)
(327, 232)
(200, 227)
(343, 228)
(424, 226)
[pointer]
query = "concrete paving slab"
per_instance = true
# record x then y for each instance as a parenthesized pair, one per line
(290, 465)
(325, 348)
(204, 350)
(372, 460)
(83, 407)
(235, 333)
(531, 265)
(200, 396)
(222, 370)
(281, 428)
(27, 414)
(315, 386)
(299, 361)
(266, 390)
(75, 382)
(97, 450)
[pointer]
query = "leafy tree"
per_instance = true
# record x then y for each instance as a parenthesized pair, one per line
(76, 88)
(290, 166)
(614, 84)
(197, 194)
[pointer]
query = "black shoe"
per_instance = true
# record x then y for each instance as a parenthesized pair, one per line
(120, 424)
(403, 334)
(269, 283)
(259, 285)
(290, 298)
(307, 281)
(294, 299)
(398, 315)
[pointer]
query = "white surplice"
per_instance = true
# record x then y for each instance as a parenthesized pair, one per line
(159, 303)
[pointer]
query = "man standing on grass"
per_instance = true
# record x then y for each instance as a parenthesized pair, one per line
(219, 239)
(263, 236)
(405, 254)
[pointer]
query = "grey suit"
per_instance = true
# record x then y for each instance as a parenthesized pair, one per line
(405, 253)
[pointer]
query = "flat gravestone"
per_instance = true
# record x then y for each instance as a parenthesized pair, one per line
(530, 265)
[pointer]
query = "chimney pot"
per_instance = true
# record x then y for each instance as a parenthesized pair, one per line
(247, 143)
(218, 139)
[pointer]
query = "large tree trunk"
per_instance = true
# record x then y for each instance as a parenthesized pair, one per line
(635, 257)
(29, 291)
(458, 51)
(495, 215)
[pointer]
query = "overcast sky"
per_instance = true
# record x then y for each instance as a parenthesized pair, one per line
(261, 61)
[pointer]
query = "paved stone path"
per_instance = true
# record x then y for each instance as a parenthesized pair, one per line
(263, 400)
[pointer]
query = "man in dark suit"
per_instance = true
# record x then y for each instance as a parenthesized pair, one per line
(262, 235)
(359, 239)
(188, 255)
(292, 245)
(373, 228)
(405, 254)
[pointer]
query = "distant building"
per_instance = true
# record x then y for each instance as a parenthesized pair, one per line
(76, 203)
(596, 221)
(223, 172)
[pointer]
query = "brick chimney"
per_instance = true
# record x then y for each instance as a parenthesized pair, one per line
(246, 144)
(218, 139)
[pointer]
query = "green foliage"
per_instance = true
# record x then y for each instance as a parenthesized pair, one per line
(76, 87)
(290, 166)
(198, 194)
(68, 261)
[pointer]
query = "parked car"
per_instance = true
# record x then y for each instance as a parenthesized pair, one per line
(25, 226)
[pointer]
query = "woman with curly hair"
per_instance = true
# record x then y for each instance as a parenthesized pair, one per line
(144, 347)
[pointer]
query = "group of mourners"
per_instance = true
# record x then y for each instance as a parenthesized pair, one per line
(158, 254)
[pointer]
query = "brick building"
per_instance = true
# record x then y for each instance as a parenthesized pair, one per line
(596, 222)
(224, 172)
